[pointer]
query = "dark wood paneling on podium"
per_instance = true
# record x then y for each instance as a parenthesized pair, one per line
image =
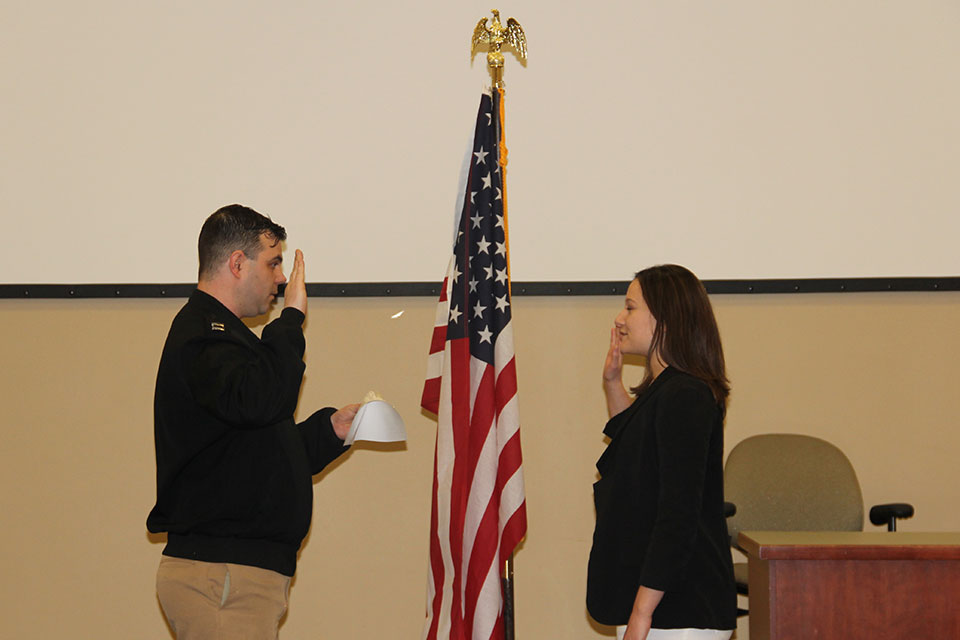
(853, 585)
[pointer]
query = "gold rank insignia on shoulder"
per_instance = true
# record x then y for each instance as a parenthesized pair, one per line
(217, 326)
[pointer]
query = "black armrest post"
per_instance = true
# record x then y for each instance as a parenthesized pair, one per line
(889, 513)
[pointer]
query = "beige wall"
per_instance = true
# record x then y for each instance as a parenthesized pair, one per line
(873, 373)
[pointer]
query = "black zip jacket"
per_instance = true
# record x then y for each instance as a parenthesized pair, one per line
(233, 469)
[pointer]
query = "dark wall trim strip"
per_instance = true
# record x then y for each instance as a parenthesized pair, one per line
(833, 285)
(432, 289)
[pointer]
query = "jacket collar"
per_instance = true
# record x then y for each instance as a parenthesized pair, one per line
(615, 425)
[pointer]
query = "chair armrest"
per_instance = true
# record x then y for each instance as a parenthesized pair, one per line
(888, 514)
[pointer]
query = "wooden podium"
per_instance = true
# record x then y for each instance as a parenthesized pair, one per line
(850, 585)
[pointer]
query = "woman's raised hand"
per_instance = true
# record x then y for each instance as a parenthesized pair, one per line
(613, 366)
(617, 397)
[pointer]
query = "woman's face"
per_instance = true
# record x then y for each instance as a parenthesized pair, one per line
(635, 323)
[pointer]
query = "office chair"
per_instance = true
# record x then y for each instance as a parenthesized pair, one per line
(789, 482)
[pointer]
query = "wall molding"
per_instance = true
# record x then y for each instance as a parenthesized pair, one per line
(538, 288)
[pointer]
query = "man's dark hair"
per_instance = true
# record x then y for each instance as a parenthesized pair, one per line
(230, 228)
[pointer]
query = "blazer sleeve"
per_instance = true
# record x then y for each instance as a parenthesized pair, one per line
(246, 386)
(321, 442)
(685, 418)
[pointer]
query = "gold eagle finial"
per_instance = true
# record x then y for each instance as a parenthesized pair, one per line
(497, 35)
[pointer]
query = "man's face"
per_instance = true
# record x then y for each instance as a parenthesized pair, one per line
(260, 277)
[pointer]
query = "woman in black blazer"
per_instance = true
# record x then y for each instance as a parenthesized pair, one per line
(660, 566)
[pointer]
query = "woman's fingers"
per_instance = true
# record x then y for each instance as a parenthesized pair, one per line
(614, 361)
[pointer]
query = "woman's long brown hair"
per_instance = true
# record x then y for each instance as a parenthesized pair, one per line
(686, 335)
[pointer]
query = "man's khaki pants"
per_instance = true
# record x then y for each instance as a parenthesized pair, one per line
(217, 601)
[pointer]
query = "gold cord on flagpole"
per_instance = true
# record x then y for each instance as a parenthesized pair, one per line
(502, 162)
(497, 35)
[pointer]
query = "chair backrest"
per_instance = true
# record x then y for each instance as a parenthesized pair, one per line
(789, 482)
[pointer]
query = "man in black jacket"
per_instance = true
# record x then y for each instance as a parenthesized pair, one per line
(234, 486)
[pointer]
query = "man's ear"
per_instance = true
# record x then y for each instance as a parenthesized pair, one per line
(237, 262)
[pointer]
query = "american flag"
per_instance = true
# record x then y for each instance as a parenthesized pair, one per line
(479, 513)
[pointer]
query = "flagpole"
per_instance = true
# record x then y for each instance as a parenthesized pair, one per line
(497, 35)
(509, 632)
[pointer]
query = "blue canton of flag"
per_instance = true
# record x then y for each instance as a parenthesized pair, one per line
(480, 297)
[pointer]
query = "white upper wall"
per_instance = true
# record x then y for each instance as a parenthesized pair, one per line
(746, 139)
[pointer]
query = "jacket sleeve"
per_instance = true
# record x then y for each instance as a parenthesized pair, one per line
(683, 425)
(320, 440)
(247, 386)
